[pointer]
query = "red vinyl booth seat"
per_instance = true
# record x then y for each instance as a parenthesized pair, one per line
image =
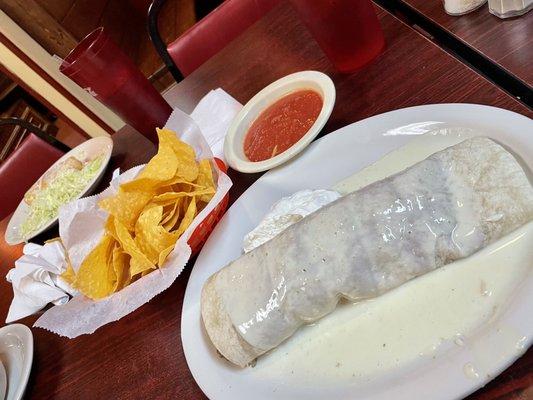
(22, 169)
(211, 34)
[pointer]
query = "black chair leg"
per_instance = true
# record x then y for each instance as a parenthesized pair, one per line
(155, 37)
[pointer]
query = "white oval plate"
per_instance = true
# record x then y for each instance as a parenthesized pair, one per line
(90, 148)
(326, 162)
(233, 143)
(16, 354)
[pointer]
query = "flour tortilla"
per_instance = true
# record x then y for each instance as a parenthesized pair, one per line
(451, 205)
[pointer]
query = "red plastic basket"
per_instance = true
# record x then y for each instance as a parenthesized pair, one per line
(202, 231)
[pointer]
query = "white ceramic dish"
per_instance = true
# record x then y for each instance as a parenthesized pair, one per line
(3, 381)
(90, 149)
(354, 147)
(233, 144)
(16, 353)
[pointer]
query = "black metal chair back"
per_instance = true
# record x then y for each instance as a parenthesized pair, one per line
(35, 130)
(159, 44)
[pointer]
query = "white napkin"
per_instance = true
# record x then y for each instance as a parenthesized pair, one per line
(36, 280)
(213, 115)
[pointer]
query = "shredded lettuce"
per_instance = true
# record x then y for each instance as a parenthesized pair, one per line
(66, 186)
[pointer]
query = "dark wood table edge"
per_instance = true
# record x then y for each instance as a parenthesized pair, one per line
(461, 50)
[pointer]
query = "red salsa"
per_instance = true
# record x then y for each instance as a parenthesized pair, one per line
(282, 124)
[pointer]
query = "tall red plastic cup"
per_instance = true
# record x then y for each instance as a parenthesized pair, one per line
(99, 66)
(348, 31)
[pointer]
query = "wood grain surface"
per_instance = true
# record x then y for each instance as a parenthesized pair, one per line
(507, 42)
(140, 356)
(411, 71)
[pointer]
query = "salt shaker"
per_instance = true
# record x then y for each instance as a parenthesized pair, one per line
(509, 8)
(460, 7)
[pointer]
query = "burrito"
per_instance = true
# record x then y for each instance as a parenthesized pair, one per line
(442, 209)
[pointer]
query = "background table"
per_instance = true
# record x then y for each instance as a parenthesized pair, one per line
(506, 42)
(141, 355)
(500, 50)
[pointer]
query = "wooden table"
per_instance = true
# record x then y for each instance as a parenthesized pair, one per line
(141, 356)
(506, 42)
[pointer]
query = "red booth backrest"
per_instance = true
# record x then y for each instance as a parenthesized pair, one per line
(22, 169)
(213, 32)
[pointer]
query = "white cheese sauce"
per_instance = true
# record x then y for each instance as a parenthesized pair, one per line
(286, 212)
(362, 341)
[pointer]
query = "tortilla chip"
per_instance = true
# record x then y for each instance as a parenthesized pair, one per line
(138, 262)
(205, 179)
(95, 278)
(126, 206)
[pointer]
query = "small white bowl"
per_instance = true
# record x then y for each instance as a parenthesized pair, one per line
(233, 144)
(16, 354)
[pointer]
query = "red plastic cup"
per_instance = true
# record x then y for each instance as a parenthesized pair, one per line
(99, 66)
(348, 31)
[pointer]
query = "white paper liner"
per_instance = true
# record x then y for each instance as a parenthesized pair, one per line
(214, 114)
(81, 227)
